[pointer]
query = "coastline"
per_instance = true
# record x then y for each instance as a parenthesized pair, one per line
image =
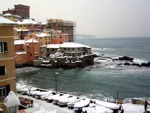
(42, 106)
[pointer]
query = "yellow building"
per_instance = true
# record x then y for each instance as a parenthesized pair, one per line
(7, 60)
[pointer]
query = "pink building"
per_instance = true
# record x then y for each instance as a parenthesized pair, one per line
(26, 51)
(33, 50)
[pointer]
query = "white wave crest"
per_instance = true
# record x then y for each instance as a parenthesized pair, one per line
(103, 49)
(140, 61)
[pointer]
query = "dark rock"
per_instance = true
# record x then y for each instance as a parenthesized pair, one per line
(126, 58)
(135, 64)
(127, 64)
(146, 64)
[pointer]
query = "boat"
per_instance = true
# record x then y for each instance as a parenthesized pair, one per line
(39, 94)
(109, 105)
(45, 96)
(50, 98)
(33, 93)
(93, 108)
(24, 89)
(56, 100)
(71, 103)
(64, 101)
(79, 105)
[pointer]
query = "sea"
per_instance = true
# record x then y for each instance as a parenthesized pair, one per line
(103, 80)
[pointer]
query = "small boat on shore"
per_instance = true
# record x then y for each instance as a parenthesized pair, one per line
(64, 101)
(79, 105)
(39, 94)
(45, 96)
(72, 102)
(50, 98)
(56, 100)
(33, 93)
(109, 105)
(93, 108)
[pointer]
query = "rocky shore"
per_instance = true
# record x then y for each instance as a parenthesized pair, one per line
(120, 61)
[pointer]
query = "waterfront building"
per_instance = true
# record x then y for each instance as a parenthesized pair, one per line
(7, 59)
(72, 49)
(66, 27)
(26, 52)
(52, 49)
(70, 55)
(21, 10)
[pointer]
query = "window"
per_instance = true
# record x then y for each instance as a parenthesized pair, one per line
(53, 49)
(3, 47)
(2, 70)
(4, 90)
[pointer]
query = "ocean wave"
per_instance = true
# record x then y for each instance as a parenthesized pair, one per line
(103, 49)
(87, 37)
(140, 61)
(26, 69)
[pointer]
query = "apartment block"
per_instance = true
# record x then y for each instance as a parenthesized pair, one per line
(66, 27)
(7, 60)
(21, 10)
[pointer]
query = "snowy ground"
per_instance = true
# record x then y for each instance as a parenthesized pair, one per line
(44, 107)
(40, 106)
(133, 108)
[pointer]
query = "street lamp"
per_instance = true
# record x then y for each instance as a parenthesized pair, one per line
(56, 81)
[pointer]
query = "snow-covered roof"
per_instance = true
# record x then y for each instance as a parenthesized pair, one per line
(19, 42)
(11, 100)
(21, 29)
(27, 22)
(32, 40)
(42, 35)
(53, 45)
(4, 21)
(72, 45)
(7, 14)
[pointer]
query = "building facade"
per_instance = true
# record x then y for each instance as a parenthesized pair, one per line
(20, 53)
(33, 50)
(7, 59)
(26, 52)
(66, 27)
(21, 10)
(69, 55)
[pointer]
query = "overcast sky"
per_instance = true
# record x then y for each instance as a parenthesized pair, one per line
(105, 18)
